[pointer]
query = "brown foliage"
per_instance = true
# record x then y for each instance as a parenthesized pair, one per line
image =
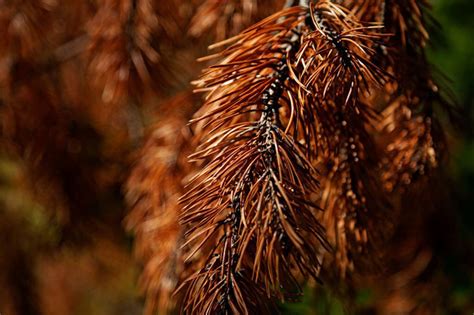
(252, 198)
(23, 25)
(152, 191)
(318, 128)
(124, 48)
(295, 93)
(228, 18)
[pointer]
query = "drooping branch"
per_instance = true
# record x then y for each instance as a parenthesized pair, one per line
(124, 52)
(337, 73)
(286, 95)
(152, 192)
(227, 18)
(26, 29)
(411, 129)
(252, 199)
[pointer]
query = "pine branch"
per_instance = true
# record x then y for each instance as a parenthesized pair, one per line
(26, 28)
(282, 95)
(414, 144)
(124, 52)
(252, 199)
(338, 73)
(414, 140)
(228, 18)
(152, 192)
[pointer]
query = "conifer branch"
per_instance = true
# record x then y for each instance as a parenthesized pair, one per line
(264, 120)
(253, 195)
(414, 141)
(227, 18)
(26, 28)
(152, 192)
(124, 52)
(338, 73)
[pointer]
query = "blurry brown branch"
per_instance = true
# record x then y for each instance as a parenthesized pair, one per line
(152, 191)
(124, 50)
(227, 18)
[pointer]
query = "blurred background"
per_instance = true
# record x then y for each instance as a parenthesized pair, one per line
(64, 246)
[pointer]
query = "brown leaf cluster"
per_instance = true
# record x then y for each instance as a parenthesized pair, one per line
(73, 144)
